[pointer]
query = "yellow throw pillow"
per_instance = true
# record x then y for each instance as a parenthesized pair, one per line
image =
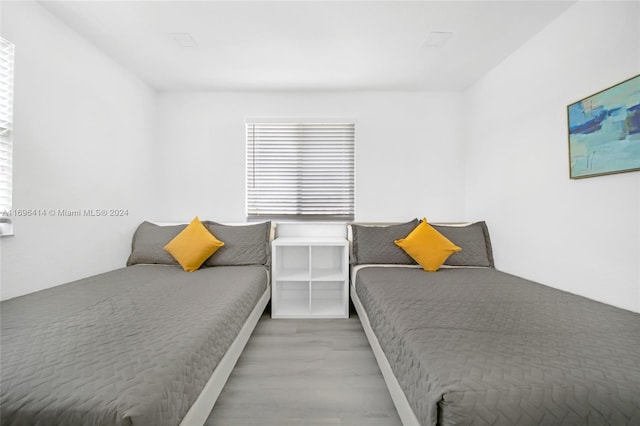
(427, 246)
(193, 245)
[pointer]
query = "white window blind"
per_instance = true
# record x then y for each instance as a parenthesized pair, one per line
(6, 121)
(300, 170)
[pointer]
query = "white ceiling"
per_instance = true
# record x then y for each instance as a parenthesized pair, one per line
(307, 45)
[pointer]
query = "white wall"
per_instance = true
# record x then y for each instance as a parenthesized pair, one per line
(582, 236)
(408, 150)
(82, 137)
(89, 135)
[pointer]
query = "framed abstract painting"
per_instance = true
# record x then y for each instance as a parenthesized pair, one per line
(604, 131)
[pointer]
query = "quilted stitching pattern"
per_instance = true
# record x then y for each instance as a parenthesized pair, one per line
(243, 245)
(481, 347)
(148, 244)
(474, 241)
(375, 244)
(134, 346)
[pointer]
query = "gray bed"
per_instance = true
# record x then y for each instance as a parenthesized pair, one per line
(474, 346)
(141, 345)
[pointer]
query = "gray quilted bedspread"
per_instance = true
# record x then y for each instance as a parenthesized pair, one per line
(481, 347)
(134, 346)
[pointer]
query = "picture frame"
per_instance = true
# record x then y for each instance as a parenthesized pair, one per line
(604, 131)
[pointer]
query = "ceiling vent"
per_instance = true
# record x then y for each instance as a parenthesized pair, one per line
(183, 39)
(438, 38)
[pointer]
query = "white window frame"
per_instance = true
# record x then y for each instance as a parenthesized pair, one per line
(300, 169)
(7, 54)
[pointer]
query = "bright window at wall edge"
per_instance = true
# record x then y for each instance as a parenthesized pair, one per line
(6, 135)
(300, 171)
(6, 226)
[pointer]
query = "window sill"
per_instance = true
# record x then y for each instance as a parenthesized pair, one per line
(6, 229)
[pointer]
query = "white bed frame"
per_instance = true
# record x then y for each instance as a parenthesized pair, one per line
(407, 416)
(201, 408)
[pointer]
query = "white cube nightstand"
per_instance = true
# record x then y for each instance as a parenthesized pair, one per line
(310, 273)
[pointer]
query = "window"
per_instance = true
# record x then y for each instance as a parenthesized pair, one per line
(300, 170)
(6, 118)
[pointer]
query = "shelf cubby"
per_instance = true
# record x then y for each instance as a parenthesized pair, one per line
(310, 277)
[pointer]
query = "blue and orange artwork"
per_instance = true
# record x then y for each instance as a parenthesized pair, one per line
(604, 131)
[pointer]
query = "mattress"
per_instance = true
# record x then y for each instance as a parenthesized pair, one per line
(474, 346)
(134, 346)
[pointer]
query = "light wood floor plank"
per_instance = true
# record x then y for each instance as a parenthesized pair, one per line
(306, 372)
